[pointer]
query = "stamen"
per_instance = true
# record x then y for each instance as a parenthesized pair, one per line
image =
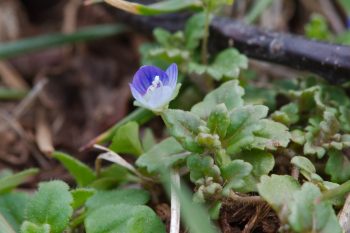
(155, 83)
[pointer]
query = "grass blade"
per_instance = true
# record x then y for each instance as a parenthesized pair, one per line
(11, 49)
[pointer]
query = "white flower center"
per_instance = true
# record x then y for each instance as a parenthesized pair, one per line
(155, 83)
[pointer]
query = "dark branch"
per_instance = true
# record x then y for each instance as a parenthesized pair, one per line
(330, 61)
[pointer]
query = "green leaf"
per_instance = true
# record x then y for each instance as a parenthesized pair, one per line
(287, 115)
(262, 161)
(162, 36)
(240, 133)
(10, 182)
(229, 93)
(51, 205)
(323, 134)
(165, 154)
(127, 140)
(201, 167)
(338, 166)
(12, 206)
(303, 163)
(219, 120)
(148, 140)
(234, 174)
(80, 196)
(194, 30)
(110, 177)
(271, 135)
(306, 216)
(82, 174)
(114, 197)
(184, 127)
(277, 190)
(317, 28)
(124, 218)
(249, 130)
(29, 227)
(227, 64)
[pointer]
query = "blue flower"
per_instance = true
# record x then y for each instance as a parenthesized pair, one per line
(153, 88)
(348, 22)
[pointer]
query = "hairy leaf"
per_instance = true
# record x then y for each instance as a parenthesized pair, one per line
(234, 174)
(123, 218)
(166, 153)
(184, 127)
(229, 93)
(51, 205)
(12, 207)
(277, 190)
(115, 197)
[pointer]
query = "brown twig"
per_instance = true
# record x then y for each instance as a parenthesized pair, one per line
(43, 133)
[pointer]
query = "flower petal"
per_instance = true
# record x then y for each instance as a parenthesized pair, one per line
(172, 73)
(137, 96)
(160, 97)
(144, 77)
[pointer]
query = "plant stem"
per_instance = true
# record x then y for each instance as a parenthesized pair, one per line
(175, 203)
(336, 192)
(11, 49)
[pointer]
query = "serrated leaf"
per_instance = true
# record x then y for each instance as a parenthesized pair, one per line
(234, 174)
(127, 140)
(306, 216)
(124, 218)
(10, 182)
(227, 64)
(80, 196)
(29, 227)
(82, 174)
(271, 135)
(323, 134)
(194, 30)
(218, 120)
(51, 205)
(115, 197)
(184, 127)
(338, 166)
(201, 167)
(164, 154)
(287, 115)
(277, 190)
(249, 130)
(12, 207)
(229, 93)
